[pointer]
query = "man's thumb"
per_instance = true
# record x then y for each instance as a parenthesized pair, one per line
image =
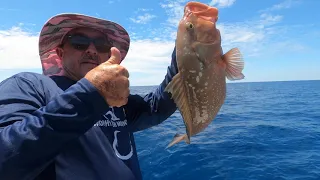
(115, 57)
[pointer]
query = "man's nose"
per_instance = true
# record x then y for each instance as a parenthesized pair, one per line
(91, 49)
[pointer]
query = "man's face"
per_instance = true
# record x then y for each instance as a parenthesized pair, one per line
(78, 56)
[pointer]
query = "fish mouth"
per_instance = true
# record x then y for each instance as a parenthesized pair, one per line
(202, 11)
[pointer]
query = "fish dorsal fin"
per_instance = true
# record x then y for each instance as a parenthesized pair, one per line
(180, 97)
(234, 64)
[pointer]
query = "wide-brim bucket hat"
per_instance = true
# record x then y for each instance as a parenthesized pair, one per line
(55, 29)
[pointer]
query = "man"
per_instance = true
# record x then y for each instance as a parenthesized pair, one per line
(77, 120)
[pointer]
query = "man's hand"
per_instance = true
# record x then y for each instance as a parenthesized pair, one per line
(111, 80)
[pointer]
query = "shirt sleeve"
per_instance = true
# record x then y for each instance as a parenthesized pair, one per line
(155, 107)
(32, 131)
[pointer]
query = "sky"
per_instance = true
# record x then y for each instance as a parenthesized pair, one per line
(278, 39)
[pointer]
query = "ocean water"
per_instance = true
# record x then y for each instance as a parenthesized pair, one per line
(264, 131)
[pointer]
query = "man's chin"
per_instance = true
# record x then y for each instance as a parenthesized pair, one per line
(88, 66)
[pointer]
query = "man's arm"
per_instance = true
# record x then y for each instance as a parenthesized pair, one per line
(155, 107)
(32, 132)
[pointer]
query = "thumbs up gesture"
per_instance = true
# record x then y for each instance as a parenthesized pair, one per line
(111, 80)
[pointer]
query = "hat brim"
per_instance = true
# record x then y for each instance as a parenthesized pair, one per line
(58, 26)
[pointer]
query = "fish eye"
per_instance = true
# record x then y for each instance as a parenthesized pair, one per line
(189, 25)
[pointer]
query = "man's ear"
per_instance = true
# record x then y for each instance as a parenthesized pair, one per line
(59, 52)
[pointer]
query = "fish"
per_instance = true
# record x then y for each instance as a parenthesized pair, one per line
(199, 87)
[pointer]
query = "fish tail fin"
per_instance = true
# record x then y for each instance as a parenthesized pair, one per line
(177, 138)
(234, 64)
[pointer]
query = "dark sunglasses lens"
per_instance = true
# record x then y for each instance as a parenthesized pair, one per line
(80, 42)
(103, 48)
(102, 45)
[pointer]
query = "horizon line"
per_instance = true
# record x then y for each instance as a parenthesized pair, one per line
(267, 81)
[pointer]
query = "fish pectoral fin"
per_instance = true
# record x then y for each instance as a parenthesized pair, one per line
(178, 91)
(177, 138)
(173, 85)
(234, 64)
(180, 97)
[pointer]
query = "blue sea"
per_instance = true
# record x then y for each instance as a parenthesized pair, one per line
(264, 131)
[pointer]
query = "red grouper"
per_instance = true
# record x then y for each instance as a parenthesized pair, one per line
(199, 89)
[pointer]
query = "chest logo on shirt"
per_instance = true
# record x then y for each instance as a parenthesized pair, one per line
(115, 144)
(111, 120)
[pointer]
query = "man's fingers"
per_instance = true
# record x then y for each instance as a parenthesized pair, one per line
(115, 57)
(124, 94)
(126, 72)
(122, 102)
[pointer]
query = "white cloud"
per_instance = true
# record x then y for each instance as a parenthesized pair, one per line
(18, 49)
(143, 19)
(143, 10)
(283, 5)
(174, 10)
(113, 1)
(268, 19)
(147, 56)
(147, 61)
(222, 3)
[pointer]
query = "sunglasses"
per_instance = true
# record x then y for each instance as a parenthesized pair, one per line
(81, 42)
